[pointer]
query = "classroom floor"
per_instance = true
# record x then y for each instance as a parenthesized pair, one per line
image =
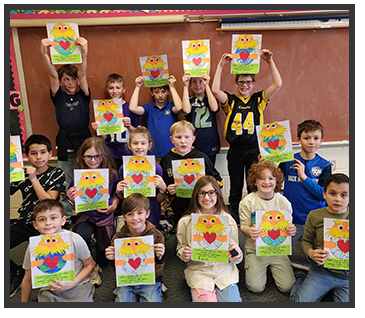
(177, 289)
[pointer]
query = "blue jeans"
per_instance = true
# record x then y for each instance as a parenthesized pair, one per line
(228, 294)
(319, 281)
(139, 293)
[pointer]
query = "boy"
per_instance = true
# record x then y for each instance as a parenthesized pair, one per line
(136, 209)
(306, 175)
(70, 95)
(117, 143)
(321, 280)
(160, 115)
(182, 136)
(49, 217)
(201, 109)
(41, 182)
(244, 111)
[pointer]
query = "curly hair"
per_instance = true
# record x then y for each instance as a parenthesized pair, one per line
(256, 172)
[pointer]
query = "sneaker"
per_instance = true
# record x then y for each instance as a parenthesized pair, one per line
(95, 277)
(16, 279)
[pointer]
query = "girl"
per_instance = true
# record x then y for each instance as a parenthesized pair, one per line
(140, 142)
(209, 281)
(94, 154)
(265, 180)
(201, 109)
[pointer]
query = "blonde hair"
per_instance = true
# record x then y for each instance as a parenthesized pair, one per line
(181, 125)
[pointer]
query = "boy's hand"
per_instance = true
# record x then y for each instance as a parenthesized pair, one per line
(187, 253)
(61, 286)
(206, 79)
(318, 255)
(45, 43)
(159, 250)
(120, 188)
(110, 253)
(300, 168)
(266, 55)
(83, 45)
(139, 81)
(126, 122)
(186, 79)
(31, 171)
(71, 193)
(159, 183)
(254, 232)
(226, 58)
(172, 80)
(172, 188)
(292, 230)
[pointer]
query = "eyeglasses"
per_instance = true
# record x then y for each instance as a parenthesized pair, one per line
(248, 83)
(89, 158)
(211, 193)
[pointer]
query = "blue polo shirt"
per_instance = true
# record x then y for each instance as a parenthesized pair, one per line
(159, 121)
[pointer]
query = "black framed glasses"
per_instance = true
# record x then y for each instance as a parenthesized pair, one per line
(89, 158)
(248, 83)
(211, 193)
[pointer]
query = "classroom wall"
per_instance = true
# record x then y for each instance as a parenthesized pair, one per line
(314, 65)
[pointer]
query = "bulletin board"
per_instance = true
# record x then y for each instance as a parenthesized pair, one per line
(314, 65)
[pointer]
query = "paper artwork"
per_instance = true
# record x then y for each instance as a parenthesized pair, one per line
(337, 243)
(275, 142)
(210, 237)
(155, 70)
(109, 116)
(64, 49)
(92, 189)
(16, 159)
(186, 173)
(51, 257)
(196, 57)
(246, 53)
(274, 239)
(135, 260)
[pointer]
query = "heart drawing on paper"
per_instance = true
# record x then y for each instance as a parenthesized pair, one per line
(273, 144)
(244, 55)
(155, 73)
(51, 262)
(189, 179)
(137, 178)
(274, 234)
(64, 44)
(197, 61)
(134, 262)
(108, 116)
(343, 246)
(91, 193)
(210, 237)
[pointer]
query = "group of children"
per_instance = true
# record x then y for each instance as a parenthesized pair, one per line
(309, 184)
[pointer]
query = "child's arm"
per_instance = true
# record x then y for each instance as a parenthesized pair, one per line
(275, 75)
(159, 249)
(216, 86)
(26, 286)
(211, 99)
(318, 255)
(111, 208)
(94, 125)
(175, 96)
(186, 106)
(110, 253)
(88, 267)
(82, 69)
(161, 185)
(251, 231)
(133, 104)
(52, 73)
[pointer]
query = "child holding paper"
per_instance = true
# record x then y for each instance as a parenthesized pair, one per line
(49, 217)
(94, 154)
(136, 209)
(320, 280)
(265, 180)
(115, 88)
(201, 109)
(140, 142)
(209, 281)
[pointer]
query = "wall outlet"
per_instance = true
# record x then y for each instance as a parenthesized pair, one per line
(333, 164)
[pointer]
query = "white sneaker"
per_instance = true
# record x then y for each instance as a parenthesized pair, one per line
(95, 277)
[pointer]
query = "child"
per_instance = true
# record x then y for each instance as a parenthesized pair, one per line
(117, 143)
(49, 217)
(160, 115)
(94, 154)
(209, 282)
(244, 111)
(70, 95)
(41, 182)
(135, 209)
(140, 142)
(306, 175)
(182, 136)
(201, 109)
(320, 280)
(265, 180)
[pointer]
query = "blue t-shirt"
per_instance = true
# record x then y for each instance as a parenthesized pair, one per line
(159, 121)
